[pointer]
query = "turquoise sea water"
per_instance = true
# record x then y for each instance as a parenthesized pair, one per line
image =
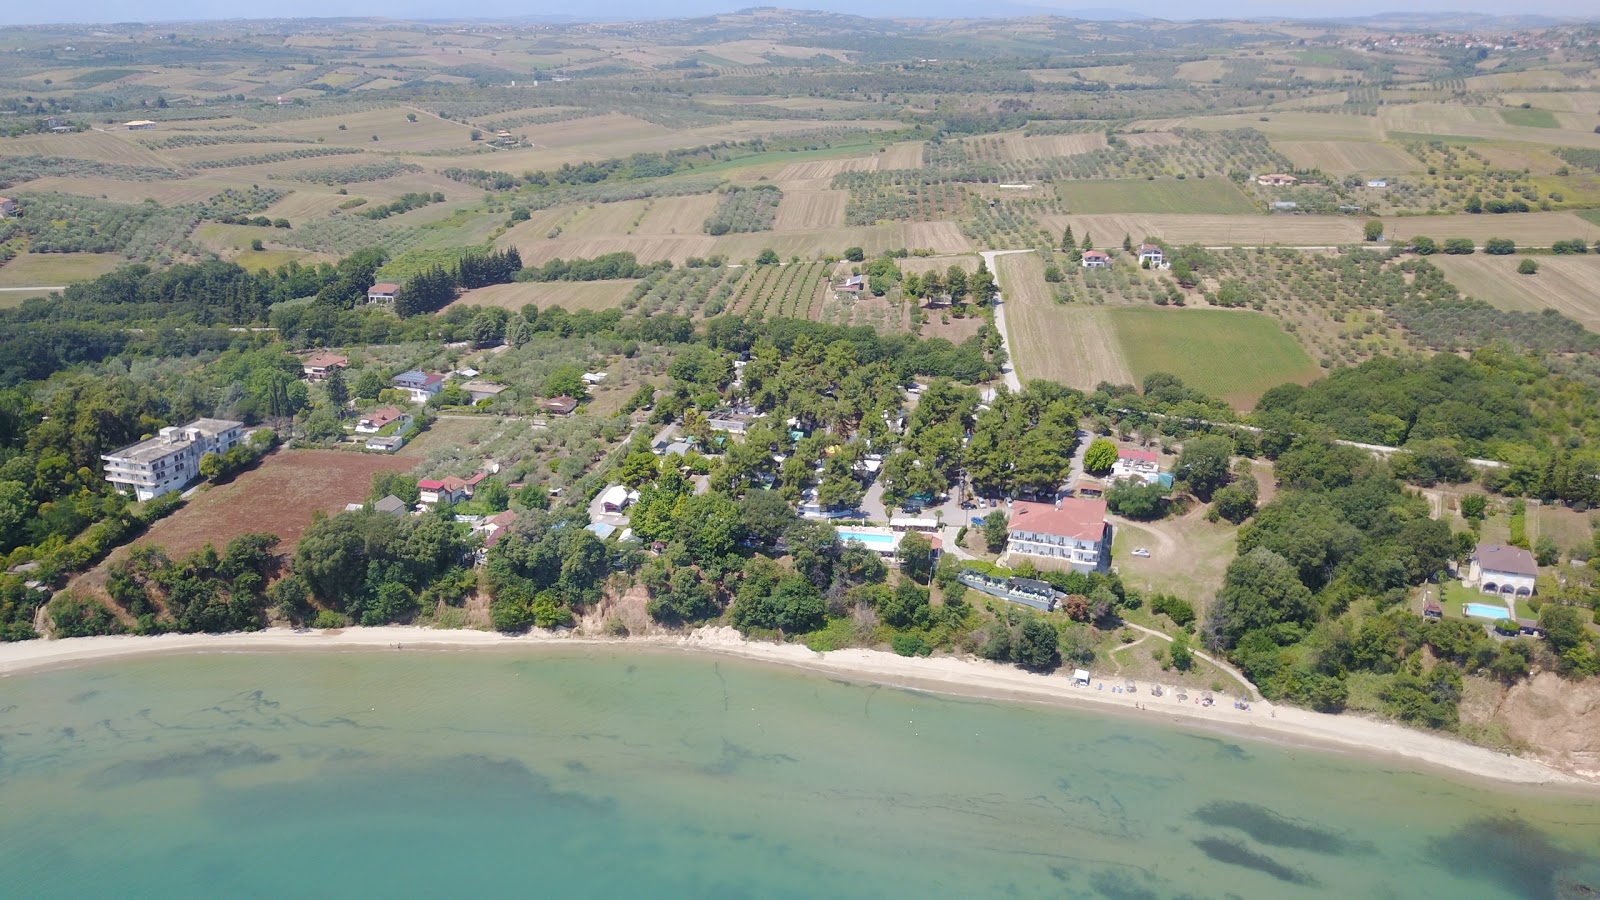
(556, 773)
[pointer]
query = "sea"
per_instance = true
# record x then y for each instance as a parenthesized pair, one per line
(631, 772)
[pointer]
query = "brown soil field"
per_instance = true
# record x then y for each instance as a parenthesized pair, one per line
(803, 210)
(394, 133)
(1214, 231)
(1535, 229)
(648, 248)
(1051, 145)
(277, 496)
(1340, 157)
(604, 220)
(167, 193)
(902, 156)
(678, 215)
(1151, 139)
(1567, 284)
(1074, 345)
(827, 168)
(921, 264)
(940, 237)
(105, 146)
(573, 295)
(524, 235)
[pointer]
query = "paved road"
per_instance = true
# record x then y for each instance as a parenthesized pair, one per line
(42, 287)
(1009, 371)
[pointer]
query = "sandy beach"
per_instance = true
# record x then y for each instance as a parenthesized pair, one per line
(965, 677)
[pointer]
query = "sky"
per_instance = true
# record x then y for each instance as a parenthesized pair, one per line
(15, 12)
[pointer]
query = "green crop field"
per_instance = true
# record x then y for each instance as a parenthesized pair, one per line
(1167, 195)
(1530, 118)
(1234, 355)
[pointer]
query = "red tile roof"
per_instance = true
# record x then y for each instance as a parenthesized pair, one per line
(325, 360)
(1083, 520)
(381, 416)
(429, 484)
(383, 287)
(1096, 254)
(1133, 455)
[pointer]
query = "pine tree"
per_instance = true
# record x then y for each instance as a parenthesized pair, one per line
(1088, 241)
(338, 392)
(1068, 244)
(1127, 242)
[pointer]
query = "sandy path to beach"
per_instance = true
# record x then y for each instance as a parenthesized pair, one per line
(964, 676)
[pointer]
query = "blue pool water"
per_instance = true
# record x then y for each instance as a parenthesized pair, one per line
(867, 538)
(1487, 611)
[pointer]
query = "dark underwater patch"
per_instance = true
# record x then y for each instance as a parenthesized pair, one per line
(197, 762)
(1234, 853)
(1267, 827)
(1508, 852)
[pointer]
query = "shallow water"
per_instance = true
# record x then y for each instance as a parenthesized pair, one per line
(558, 773)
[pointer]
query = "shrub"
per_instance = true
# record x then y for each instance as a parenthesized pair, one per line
(1527, 267)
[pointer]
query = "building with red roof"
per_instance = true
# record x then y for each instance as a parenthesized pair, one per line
(1071, 533)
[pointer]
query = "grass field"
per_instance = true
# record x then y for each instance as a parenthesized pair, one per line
(1530, 118)
(572, 295)
(1568, 284)
(1188, 556)
(1342, 157)
(1166, 195)
(1235, 355)
(1073, 345)
(27, 269)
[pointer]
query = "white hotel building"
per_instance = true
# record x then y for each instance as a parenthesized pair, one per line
(171, 459)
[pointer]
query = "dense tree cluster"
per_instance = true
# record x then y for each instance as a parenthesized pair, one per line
(742, 210)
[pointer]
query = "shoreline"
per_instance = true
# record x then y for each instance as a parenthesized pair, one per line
(953, 676)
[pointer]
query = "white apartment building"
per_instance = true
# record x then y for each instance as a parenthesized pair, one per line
(171, 459)
(1070, 534)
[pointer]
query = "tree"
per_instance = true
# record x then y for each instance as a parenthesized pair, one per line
(996, 531)
(1136, 500)
(1100, 457)
(1204, 464)
(915, 554)
(767, 257)
(907, 606)
(370, 383)
(955, 281)
(210, 465)
(1373, 230)
(1037, 645)
(1473, 506)
(1237, 501)
(493, 493)
(1127, 243)
(338, 391)
(1527, 267)
(1546, 551)
(982, 283)
(1182, 656)
(854, 254)
(1459, 246)
(476, 135)
(1259, 591)
(1499, 246)
(1069, 245)
(1424, 246)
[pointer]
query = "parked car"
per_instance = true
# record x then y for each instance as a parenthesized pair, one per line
(1141, 552)
(977, 520)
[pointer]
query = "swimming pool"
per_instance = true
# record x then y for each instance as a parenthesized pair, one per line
(1486, 611)
(869, 538)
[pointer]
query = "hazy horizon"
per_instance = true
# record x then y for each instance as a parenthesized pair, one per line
(108, 11)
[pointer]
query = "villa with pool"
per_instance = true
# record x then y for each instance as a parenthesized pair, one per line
(1502, 571)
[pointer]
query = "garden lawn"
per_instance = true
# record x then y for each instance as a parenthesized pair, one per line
(1233, 354)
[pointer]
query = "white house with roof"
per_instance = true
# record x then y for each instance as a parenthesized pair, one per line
(422, 386)
(171, 459)
(1071, 533)
(1503, 570)
(1152, 256)
(1143, 465)
(383, 292)
(1096, 259)
(379, 419)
